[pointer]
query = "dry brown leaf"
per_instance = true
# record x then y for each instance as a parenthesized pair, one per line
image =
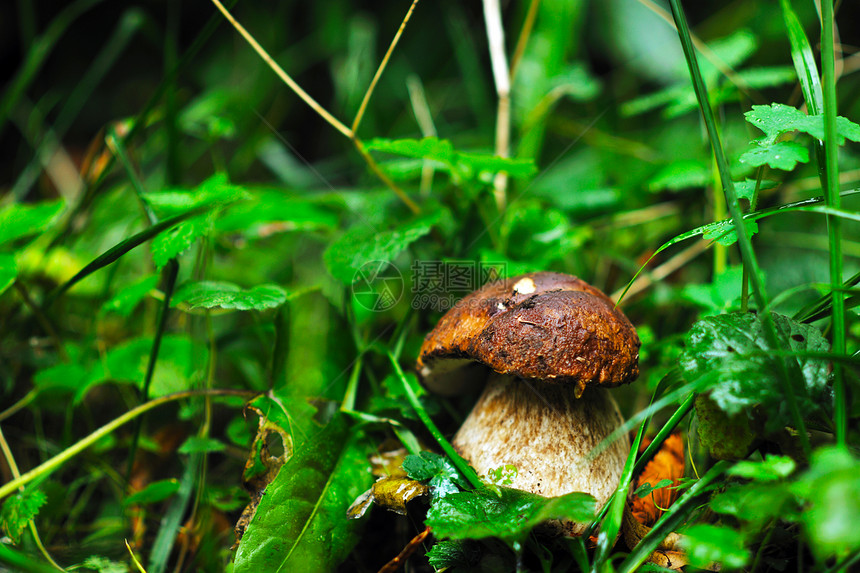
(668, 463)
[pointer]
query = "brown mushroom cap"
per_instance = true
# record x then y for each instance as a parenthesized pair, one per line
(538, 326)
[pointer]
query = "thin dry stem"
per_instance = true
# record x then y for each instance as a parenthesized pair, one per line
(678, 261)
(358, 116)
(285, 77)
(523, 40)
(421, 109)
(501, 76)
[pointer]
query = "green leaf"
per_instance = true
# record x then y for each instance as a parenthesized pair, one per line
(433, 148)
(196, 444)
(782, 155)
(462, 164)
(510, 516)
(726, 437)
(18, 220)
(18, 510)
(437, 470)
(300, 524)
(272, 211)
(746, 188)
(772, 468)
(102, 565)
(755, 504)
(446, 554)
(646, 488)
(705, 544)
(175, 241)
(127, 298)
(729, 352)
(61, 377)
(216, 190)
(178, 361)
(8, 271)
(211, 294)
(364, 244)
(154, 492)
(724, 233)
(832, 489)
(777, 118)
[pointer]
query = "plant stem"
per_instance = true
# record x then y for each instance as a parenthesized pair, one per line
(744, 243)
(49, 466)
(834, 224)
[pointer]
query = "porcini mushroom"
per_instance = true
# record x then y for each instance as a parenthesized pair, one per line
(553, 345)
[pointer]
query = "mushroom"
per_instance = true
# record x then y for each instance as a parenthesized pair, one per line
(553, 345)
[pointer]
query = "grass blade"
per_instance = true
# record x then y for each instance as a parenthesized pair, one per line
(114, 253)
(744, 242)
(834, 224)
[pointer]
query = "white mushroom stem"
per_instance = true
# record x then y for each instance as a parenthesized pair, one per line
(548, 434)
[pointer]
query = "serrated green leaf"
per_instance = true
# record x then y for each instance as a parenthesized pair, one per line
(8, 271)
(437, 470)
(724, 233)
(783, 155)
(729, 353)
(473, 164)
(300, 524)
(127, 298)
(777, 118)
(705, 544)
(18, 510)
(772, 468)
(216, 190)
(363, 244)
(509, 516)
(199, 444)
(19, 220)
(462, 553)
(154, 492)
(175, 241)
(269, 212)
(432, 148)
(211, 294)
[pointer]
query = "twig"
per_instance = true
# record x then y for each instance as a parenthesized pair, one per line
(501, 76)
(410, 548)
(285, 77)
(382, 65)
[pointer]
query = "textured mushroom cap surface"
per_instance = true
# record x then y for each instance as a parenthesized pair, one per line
(539, 326)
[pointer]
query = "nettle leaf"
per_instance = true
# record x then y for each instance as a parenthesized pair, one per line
(724, 232)
(8, 271)
(175, 241)
(301, 524)
(437, 470)
(782, 155)
(509, 516)
(19, 220)
(213, 191)
(705, 544)
(777, 118)
(432, 148)
(729, 352)
(154, 492)
(445, 554)
(211, 294)
(18, 510)
(364, 244)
